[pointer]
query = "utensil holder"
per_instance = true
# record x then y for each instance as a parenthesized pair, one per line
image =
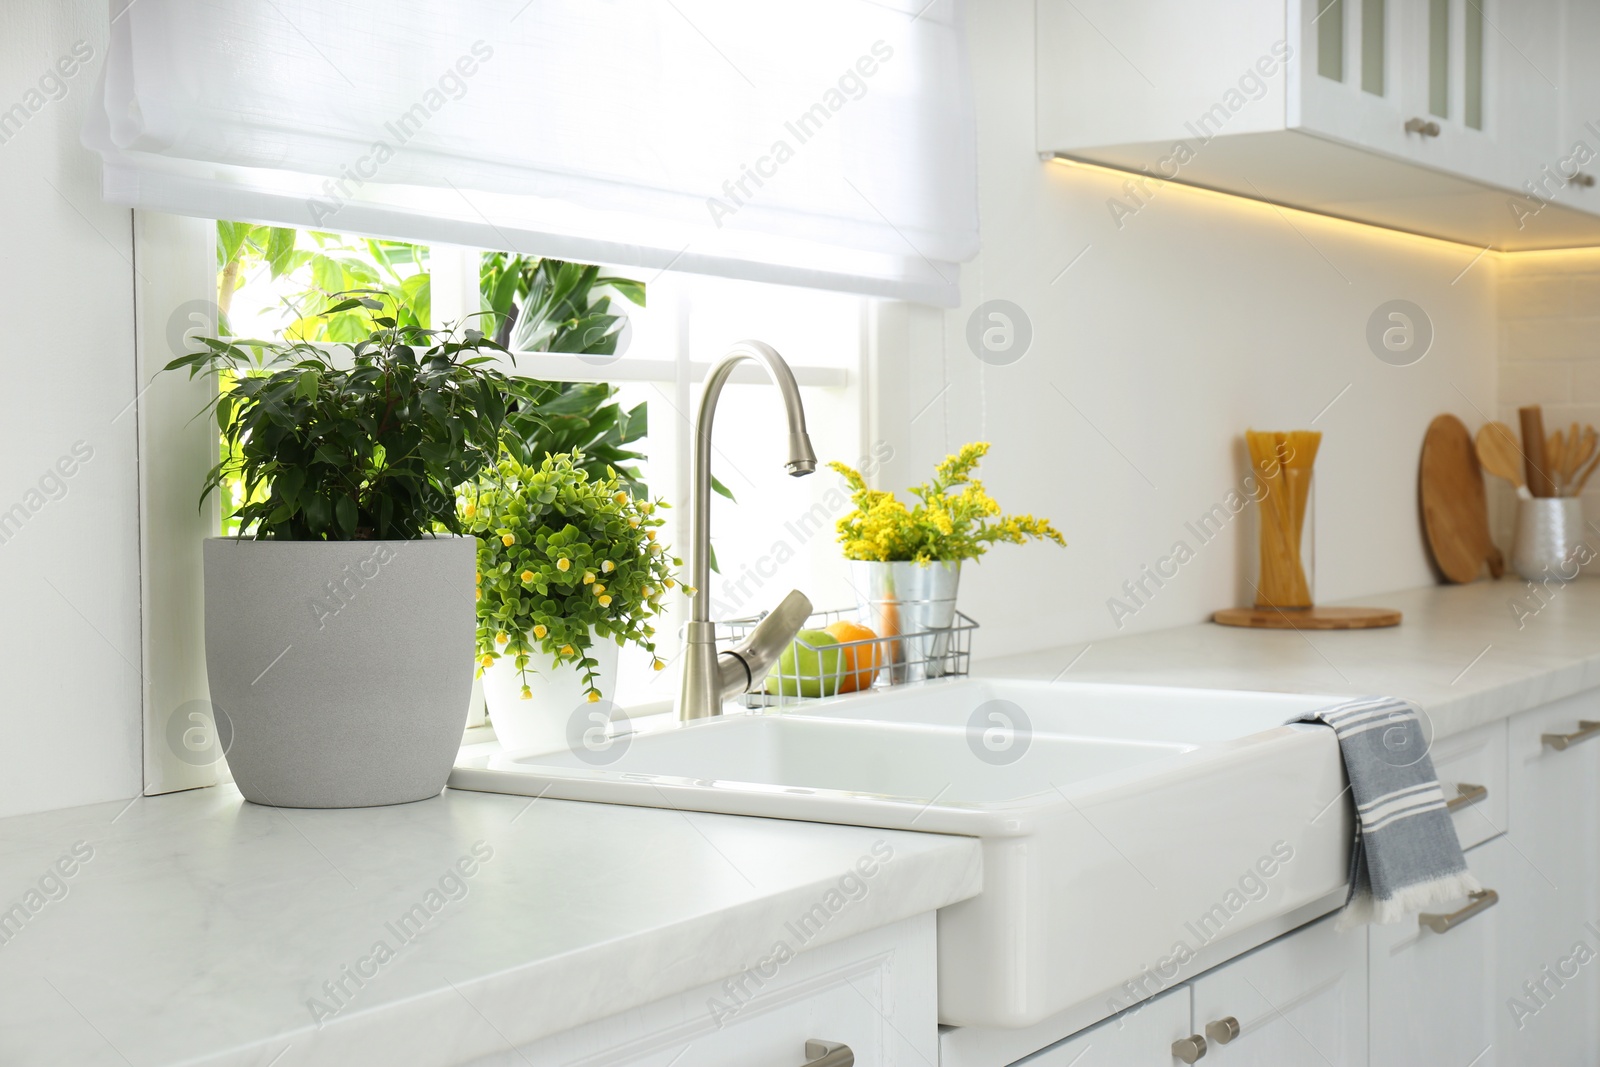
(1549, 537)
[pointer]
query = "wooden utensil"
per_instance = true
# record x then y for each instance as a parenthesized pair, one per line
(1583, 479)
(1535, 463)
(1498, 453)
(1554, 449)
(1585, 450)
(1575, 452)
(1455, 510)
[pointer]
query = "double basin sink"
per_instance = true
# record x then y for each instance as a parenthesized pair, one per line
(1124, 828)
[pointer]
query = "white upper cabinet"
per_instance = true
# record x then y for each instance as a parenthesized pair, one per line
(1423, 115)
(1468, 87)
(1347, 80)
(1570, 177)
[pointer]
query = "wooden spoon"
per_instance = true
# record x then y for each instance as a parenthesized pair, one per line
(1583, 479)
(1500, 456)
(1578, 456)
(1555, 447)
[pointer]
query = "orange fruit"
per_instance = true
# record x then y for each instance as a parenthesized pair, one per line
(861, 662)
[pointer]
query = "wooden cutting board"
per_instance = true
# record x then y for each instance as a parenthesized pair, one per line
(1455, 510)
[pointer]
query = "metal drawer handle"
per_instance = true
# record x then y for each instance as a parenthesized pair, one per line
(1466, 795)
(1426, 127)
(828, 1054)
(1223, 1030)
(1188, 1049)
(1587, 730)
(1481, 901)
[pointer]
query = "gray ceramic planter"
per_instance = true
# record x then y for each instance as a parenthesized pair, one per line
(340, 671)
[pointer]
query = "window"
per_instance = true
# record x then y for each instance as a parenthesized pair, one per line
(776, 534)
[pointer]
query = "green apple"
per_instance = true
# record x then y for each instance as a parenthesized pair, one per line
(815, 671)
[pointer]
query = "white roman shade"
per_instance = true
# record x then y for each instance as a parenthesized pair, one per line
(826, 143)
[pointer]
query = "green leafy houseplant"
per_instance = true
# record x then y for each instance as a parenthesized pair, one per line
(563, 560)
(548, 305)
(372, 448)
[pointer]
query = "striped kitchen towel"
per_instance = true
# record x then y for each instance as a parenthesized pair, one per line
(1406, 855)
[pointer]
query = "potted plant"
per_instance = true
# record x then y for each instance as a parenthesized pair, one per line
(569, 566)
(906, 562)
(339, 623)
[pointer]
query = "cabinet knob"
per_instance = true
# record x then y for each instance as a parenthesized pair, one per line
(1426, 127)
(828, 1054)
(1223, 1030)
(1585, 180)
(1188, 1049)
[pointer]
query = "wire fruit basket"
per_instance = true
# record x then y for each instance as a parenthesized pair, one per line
(812, 672)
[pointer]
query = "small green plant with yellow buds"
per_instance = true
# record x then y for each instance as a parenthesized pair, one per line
(954, 518)
(563, 560)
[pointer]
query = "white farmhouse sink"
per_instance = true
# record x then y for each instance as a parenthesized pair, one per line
(1118, 821)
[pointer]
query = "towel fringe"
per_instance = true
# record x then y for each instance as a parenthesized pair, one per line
(1363, 908)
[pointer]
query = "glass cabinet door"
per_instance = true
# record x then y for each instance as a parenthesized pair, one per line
(1330, 40)
(1439, 58)
(1374, 46)
(1370, 24)
(1351, 65)
(1485, 72)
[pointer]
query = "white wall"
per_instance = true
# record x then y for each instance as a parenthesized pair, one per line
(69, 634)
(1200, 317)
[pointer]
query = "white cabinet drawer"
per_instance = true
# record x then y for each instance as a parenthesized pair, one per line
(1472, 772)
(1301, 999)
(1140, 1037)
(874, 992)
(1435, 997)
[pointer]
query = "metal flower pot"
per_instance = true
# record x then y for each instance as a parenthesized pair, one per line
(915, 602)
(340, 671)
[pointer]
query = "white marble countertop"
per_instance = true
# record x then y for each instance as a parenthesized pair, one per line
(194, 928)
(1467, 655)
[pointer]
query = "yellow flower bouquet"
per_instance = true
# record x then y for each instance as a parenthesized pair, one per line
(906, 561)
(954, 518)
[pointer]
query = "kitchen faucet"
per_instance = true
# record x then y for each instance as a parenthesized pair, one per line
(709, 678)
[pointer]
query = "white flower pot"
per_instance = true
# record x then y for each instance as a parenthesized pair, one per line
(339, 670)
(560, 699)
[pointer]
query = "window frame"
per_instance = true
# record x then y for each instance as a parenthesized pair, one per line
(175, 285)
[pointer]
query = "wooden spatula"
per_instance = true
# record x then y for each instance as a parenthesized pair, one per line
(1498, 452)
